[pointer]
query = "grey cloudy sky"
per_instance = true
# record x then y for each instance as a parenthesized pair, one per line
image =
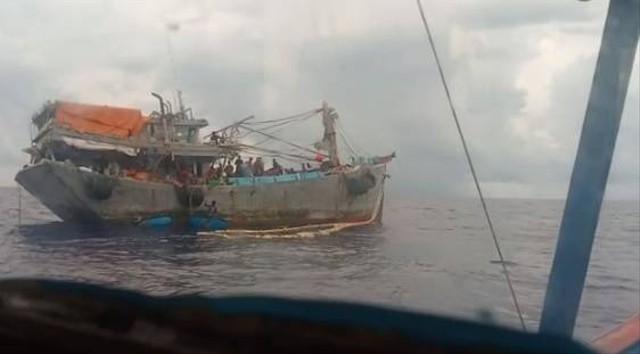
(519, 72)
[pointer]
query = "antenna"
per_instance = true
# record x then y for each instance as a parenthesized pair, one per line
(181, 105)
(173, 27)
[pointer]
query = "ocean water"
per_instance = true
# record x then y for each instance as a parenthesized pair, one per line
(434, 256)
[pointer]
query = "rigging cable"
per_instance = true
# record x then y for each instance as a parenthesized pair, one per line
(473, 171)
(281, 140)
(274, 153)
(265, 140)
(358, 148)
(293, 117)
(265, 129)
(346, 143)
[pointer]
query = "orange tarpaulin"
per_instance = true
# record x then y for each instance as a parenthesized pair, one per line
(103, 120)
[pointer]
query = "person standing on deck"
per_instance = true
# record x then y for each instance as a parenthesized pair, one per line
(277, 169)
(238, 170)
(258, 167)
(210, 172)
(228, 172)
(213, 175)
(250, 165)
(242, 170)
(214, 138)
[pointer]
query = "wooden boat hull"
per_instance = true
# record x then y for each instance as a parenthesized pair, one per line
(81, 196)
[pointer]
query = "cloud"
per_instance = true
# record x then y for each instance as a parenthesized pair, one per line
(519, 74)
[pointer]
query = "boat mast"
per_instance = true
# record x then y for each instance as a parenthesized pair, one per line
(328, 121)
(181, 105)
(591, 168)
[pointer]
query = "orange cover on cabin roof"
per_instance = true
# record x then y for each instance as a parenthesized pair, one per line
(102, 120)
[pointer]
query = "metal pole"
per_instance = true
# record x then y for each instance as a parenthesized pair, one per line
(328, 120)
(591, 168)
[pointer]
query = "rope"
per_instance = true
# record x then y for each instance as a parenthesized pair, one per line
(293, 117)
(252, 131)
(231, 127)
(471, 167)
(346, 143)
(280, 140)
(270, 136)
(358, 148)
(274, 153)
(268, 139)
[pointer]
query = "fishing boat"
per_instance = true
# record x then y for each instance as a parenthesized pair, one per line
(94, 164)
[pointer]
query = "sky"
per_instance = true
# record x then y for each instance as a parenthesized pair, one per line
(519, 73)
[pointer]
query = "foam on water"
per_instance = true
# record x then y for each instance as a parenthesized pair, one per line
(285, 233)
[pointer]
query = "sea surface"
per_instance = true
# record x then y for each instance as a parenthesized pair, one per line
(434, 256)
